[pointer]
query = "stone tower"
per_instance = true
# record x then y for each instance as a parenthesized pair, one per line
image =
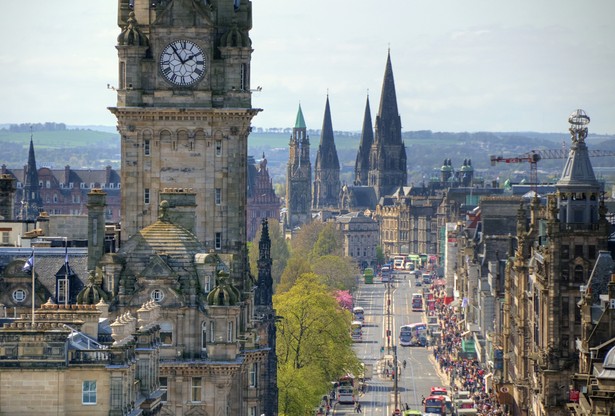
(558, 247)
(327, 167)
(184, 112)
(361, 167)
(31, 202)
(387, 159)
(263, 306)
(298, 176)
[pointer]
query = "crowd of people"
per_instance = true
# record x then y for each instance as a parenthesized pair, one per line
(464, 372)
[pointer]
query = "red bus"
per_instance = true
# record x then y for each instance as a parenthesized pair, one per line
(435, 404)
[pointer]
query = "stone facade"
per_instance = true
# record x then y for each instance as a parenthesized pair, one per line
(361, 237)
(298, 176)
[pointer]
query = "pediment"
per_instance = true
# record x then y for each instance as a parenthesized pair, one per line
(158, 269)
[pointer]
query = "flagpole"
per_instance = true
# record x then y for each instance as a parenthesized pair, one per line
(66, 271)
(33, 288)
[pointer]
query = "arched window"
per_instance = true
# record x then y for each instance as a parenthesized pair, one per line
(579, 274)
(204, 336)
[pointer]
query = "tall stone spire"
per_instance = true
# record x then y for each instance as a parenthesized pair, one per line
(31, 201)
(327, 167)
(387, 171)
(298, 176)
(361, 167)
(264, 289)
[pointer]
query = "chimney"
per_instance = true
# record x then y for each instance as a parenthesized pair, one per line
(97, 200)
(7, 196)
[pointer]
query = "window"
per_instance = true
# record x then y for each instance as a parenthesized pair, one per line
(163, 388)
(62, 294)
(212, 327)
(157, 295)
(204, 336)
(82, 185)
(92, 185)
(166, 333)
(253, 411)
(253, 381)
(229, 331)
(218, 241)
(146, 148)
(5, 237)
(146, 196)
(19, 295)
(196, 389)
(88, 392)
(218, 196)
(55, 199)
(218, 147)
(578, 250)
(70, 185)
(111, 185)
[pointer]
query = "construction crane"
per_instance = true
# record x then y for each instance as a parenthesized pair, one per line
(534, 156)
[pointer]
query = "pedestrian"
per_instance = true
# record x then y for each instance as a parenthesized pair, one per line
(359, 408)
(422, 399)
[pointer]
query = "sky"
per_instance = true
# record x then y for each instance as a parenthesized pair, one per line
(471, 65)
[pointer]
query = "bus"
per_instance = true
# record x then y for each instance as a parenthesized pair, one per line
(358, 313)
(368, 275)
(413, 334)
(386, 273)
(417, 302)
(356, 331)
(344, 390)
(435, 405)
(399, 262)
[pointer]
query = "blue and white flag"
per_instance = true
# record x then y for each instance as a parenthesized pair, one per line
(29, 265)
(66, 267)
(464, 303)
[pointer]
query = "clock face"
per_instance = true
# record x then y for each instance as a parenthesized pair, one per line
(182, 62)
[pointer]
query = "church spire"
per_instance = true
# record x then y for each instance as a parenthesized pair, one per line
(327, 167)
(264, 289)
(361, 167)
(388, 115)
(387, 170)
(31, 201)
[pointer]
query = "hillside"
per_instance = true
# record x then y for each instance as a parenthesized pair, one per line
(92, 148)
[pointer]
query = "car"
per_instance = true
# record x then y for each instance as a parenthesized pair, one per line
(418, 283)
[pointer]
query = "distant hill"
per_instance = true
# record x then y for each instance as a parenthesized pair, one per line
(98, 146)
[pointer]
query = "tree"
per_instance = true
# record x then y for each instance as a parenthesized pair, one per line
(337, 272)
(295, 267)
(379, 256)
(304, 240)
(313, 344)
(329, 242)
(280, 251)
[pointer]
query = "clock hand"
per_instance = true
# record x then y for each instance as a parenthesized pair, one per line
(177, 54)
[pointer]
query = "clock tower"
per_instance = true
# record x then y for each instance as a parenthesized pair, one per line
(184, 112)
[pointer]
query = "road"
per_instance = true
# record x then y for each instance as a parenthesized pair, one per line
(420, 374)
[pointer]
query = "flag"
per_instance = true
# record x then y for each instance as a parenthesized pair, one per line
(29, 265)
(66, 267)
(464, 303)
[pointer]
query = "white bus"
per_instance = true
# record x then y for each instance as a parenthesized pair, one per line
(356, 331)
(358, 313)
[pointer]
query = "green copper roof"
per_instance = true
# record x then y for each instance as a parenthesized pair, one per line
(300, 122)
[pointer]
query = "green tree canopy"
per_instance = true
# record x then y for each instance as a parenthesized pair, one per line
(337, 272)
(329, 242)
(313, 344)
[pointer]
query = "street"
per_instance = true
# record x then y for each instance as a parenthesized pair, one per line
(419, 375)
